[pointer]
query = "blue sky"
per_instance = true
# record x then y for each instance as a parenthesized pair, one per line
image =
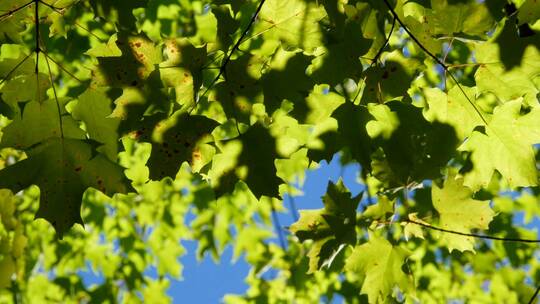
(209, 282)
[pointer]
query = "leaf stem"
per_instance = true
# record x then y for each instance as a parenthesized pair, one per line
(36, 19)
(442, 64)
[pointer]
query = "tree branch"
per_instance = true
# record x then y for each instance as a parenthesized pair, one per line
(480, 236)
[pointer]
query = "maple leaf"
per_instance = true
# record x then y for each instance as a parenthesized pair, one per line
(37, 123)
(183, 69)
(331, 227)
(118, 11)
(93, 108)
(63, 169)
(294, 22)
(381, 264)
(509, 72)
(175, 140)
(351, 135)
(412, 229)
(250, 158)
(454, 109)
(415, 148)
(506, 146)
(459, 212)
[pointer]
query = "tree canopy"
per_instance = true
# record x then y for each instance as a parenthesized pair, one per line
(128, 126)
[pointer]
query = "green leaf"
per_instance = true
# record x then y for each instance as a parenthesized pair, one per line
(412, 229)
(179, 138)
(138, 60)
(37, 123)
(509, 72)
(529, 12)
(370, 16)
(459, 212)
(505, 146)
(341, 60)
(416, 148)
(461, 18)
(249, 158)
(286, 79)
(392, 80)
(63, 169)
(294, 22)
(20, 83)
(330, 228)
(380, 210)
(454, 109)
(109, 49)
(424, 32)
(183, 69)
(242, 87)
(381, 264)
(93, 108)
(351, 135)
(13, 25)
(118, 11)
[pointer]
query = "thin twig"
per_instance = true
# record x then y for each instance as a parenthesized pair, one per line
(11, 12)
(462, 65)
(14, 69)
(444, 60)
(62, 68)
(436, 60)
(278, 228)
(480, 236)
(386, 41)
(59, 11)
(292, 204)
(374, 59)
(59, 8)
(534, 295)
(234, 48)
